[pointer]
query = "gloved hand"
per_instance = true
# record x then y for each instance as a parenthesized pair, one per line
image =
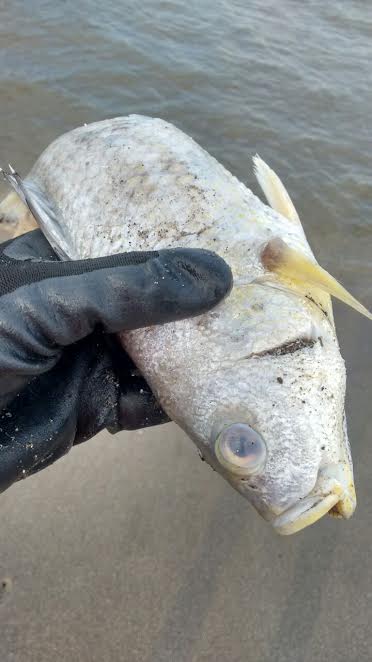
(63, 378)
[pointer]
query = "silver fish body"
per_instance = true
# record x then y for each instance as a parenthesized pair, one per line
(267, 357)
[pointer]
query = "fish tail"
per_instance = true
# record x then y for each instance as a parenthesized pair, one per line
(29, 207)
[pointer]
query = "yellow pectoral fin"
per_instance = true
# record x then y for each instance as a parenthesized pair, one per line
(290, 264)
(274, 190)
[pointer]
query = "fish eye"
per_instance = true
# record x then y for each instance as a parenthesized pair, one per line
(240, 449)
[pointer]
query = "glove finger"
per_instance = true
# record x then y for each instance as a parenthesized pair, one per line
(29, 246)
(77, 399)
(137, 405)
(62, 302)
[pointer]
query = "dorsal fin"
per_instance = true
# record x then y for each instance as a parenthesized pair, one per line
(274, 190)
(290, 264)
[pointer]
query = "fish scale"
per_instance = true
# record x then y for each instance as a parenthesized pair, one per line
(266, 359)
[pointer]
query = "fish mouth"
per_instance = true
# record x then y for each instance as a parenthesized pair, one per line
(334, 493)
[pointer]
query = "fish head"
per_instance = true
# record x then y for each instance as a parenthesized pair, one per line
(276, 430)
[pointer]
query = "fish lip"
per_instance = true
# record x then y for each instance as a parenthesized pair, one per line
(304, 513)
(334, 493)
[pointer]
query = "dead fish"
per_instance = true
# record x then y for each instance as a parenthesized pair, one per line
(258, 383)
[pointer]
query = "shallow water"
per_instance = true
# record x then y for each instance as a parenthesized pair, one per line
(130, 548)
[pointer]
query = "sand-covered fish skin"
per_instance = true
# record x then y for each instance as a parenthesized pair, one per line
(266, 358)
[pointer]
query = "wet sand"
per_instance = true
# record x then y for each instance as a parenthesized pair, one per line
(132, 549)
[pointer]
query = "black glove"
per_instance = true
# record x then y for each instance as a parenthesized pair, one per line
(63, 378)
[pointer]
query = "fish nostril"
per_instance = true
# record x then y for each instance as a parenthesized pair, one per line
(246, 481)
